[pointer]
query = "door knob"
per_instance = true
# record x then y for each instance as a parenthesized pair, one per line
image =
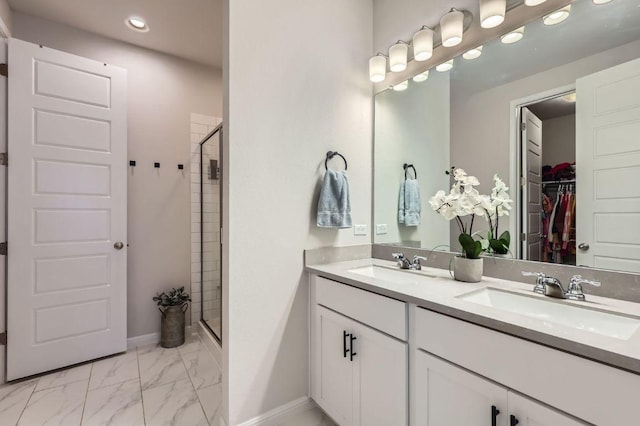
(118, 245)
(583, 246)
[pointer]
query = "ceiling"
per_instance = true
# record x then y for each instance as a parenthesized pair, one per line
(590, 29)
(553, 108)
(190, 29)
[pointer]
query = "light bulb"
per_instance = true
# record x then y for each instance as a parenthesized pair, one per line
(421, 77)
(401, 86)
(377, 68)
(451, 28)
(398, 57)
(137, 24)
(492, 13)
(473, 53)
(513, 36)
(423, 44)
(557, 16)
(445, 66)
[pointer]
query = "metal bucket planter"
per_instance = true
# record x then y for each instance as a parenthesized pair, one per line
(172, 327)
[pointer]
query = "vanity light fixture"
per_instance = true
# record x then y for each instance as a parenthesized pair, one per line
(401, 86)
(533, 2)
(601, 1)
(451, 28)
(513, 36)
(423, 44)
(445, 66)
(557, 16)
(137, 24)
(492, 13)
(473, 53)
(421, 77)
(378, 68)
(398, 56)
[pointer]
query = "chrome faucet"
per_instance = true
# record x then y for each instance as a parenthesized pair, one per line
(550, 286)
(574, 292)
(404, 263)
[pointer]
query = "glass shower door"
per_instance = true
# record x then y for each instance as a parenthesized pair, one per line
(211, 219)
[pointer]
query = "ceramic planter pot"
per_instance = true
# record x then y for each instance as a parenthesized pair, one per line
(172, 326)
(467, 270)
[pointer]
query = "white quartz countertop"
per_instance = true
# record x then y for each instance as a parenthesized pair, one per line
(434, 289)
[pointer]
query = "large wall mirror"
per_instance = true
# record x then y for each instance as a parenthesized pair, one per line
(556, 115)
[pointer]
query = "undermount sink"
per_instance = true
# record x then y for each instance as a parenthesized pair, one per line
(387, 274)
(556, 312)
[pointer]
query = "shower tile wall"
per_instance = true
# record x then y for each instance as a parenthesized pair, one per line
(201, 125)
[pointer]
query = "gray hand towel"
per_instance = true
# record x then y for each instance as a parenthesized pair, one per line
(334, 207)
(409, 203)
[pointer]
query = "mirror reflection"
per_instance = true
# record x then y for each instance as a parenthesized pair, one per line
(556, 115)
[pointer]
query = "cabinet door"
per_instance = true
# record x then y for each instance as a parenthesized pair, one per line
(448, 395)
(531, 413)
(381, 377)
(334, 371)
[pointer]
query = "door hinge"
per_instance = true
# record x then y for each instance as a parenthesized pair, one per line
(4, 159)
(523, 126)
(523, 181)
(3, 249)
(523, 237)
(4, 70)
(3, 338)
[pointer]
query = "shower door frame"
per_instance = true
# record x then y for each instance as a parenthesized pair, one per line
(206, 139)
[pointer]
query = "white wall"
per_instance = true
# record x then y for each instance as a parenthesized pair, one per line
(162, 92)
(6, 19)
(297, 80)
(412, 127)
(559, 140)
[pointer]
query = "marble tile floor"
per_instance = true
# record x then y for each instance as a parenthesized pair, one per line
(145, 386)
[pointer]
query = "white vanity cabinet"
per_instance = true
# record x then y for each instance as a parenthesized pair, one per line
(449, 395)
(481, 363)
(359, 369)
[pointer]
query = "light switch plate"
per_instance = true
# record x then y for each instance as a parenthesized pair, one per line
(381, 228)
(360, 230)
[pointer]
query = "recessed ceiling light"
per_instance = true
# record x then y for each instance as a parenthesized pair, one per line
(571, 97)
(445, 66)
(473, 53)
(401, 86)
(557, 16)
(533, 2)
(138, 24)
(601, 1)
(421, 77)
(513, 36)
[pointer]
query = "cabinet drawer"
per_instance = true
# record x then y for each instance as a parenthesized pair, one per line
(380, 312)
(587, 389)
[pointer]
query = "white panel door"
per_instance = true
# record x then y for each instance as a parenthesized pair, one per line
(532, 170)
(447, 395)
(608, 168)
(334, 369)
(67, 210)
(530, 413)
(381, 378)
(3, 200)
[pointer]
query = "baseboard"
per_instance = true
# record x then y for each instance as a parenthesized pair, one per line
(144, 340)
(210, 342)
(278, 414)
